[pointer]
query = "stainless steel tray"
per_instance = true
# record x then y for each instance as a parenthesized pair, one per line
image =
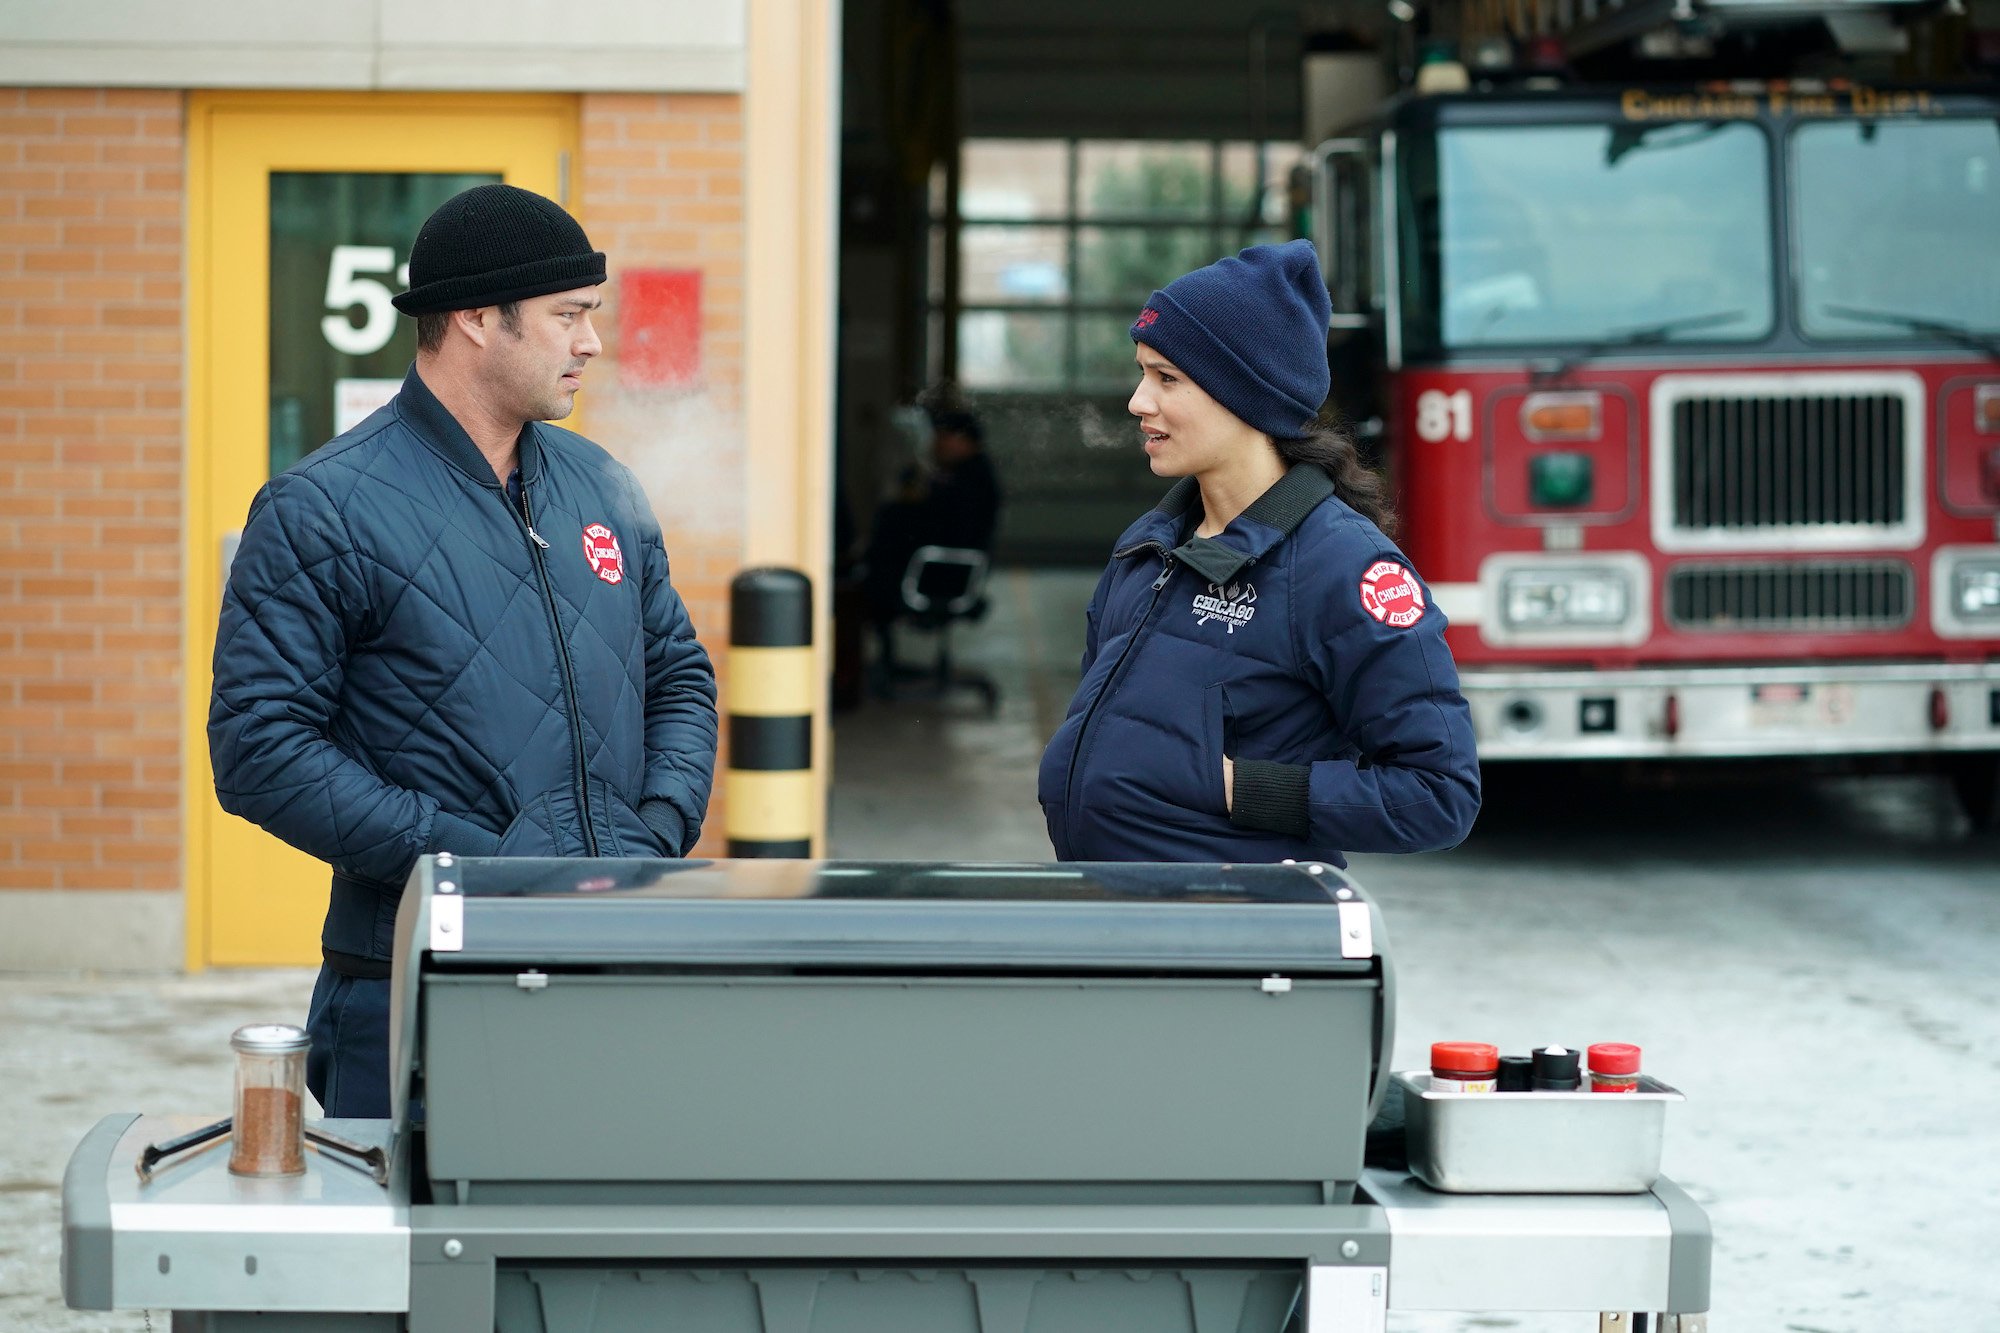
(1535, 1142)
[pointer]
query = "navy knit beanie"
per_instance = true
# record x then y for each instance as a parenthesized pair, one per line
(496, 243)
(1251, 331)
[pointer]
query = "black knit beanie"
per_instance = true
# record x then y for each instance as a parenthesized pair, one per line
(496, 243)
(1251, 331)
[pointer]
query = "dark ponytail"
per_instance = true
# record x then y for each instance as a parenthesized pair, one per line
(1328, 447)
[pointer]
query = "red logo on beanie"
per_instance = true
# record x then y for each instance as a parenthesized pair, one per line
(1391, 594)
(1146, 316)
(600, 548)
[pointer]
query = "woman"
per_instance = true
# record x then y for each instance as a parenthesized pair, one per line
(1264, 675)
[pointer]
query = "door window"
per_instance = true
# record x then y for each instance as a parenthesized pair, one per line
(339, 250)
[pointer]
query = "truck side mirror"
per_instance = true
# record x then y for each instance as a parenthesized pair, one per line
(1342, 191)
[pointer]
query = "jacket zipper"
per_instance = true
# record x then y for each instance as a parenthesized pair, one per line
(1111, 680)
(527, 519)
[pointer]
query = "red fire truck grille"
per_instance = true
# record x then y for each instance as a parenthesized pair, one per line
(1821, 595)
(1781, 462)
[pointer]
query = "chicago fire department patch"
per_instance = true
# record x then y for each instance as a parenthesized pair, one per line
(600, 548)
(1391, 595)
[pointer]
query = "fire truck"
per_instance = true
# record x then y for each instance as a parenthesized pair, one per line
(1687, 374)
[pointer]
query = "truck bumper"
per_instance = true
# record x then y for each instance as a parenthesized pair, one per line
(1718, 712)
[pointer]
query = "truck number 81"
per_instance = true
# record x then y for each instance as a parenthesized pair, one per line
(1444, 416)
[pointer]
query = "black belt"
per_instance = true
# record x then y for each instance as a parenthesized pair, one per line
(354, 965)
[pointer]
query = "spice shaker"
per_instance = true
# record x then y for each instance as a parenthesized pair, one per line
(1614, 1067)
(1464, 1066)
(268, 1136)
(1556, 1069)
(1516, 1074)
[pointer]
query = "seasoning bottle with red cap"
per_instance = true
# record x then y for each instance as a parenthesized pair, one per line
(1464, 1066)
(1614, 1067)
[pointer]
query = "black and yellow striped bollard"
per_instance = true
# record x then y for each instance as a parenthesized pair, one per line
(769, 806)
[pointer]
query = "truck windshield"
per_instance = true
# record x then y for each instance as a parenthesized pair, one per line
(1565, 234)
(1921, 248)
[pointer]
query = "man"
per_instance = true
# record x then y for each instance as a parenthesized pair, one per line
(962, 505)
(957, 505)
(451, 629)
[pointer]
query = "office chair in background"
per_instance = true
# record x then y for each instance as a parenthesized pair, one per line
(943, 586)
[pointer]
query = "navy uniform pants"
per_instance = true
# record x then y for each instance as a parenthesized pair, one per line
(347, 1069)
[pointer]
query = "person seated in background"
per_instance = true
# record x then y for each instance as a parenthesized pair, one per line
(956, 503)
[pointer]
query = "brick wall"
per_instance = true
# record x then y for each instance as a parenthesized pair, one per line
(662, 187)
(91, 427)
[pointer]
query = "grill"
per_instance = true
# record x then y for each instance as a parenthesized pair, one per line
(1823, 595)
(1764, 463)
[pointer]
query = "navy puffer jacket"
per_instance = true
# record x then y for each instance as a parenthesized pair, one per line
(1297, 642)
(407, 662)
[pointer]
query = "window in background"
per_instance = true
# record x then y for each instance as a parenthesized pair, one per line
(340, 244)
(1060, 242)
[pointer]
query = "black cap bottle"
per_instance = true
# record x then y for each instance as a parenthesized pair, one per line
(1516, 1074)
(1556, 1069)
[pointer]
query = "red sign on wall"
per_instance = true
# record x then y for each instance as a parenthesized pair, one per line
(659, 327)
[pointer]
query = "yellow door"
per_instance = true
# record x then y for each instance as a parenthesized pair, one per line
(301, 212)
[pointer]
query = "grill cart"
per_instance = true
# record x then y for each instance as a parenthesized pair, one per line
(809, 1097)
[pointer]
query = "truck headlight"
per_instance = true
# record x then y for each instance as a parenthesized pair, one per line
(1975, 590)
(1553, 598)
(1965, 591)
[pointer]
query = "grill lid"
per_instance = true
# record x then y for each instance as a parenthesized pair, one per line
(902, 915)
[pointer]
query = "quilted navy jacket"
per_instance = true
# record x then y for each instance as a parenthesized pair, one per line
(409, 662)
(1299, 643)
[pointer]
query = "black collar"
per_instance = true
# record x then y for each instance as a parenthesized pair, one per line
(1271, 517)
(439, 429)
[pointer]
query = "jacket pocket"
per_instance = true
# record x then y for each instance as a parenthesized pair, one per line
(1213, 744)
(546, 826)
(1194, 780)
(1219, 722)
(1172, 757)
(620, 830)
